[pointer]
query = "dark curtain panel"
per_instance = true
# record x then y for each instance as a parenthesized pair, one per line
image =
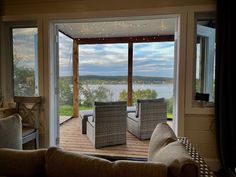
(225, 84)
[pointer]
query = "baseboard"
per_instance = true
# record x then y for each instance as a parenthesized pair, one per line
(214, 164)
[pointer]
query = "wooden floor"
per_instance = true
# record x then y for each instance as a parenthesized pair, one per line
(71, 139)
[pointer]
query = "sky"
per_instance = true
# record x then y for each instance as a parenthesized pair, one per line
(25, 46)
(154, 59)
(149, 59)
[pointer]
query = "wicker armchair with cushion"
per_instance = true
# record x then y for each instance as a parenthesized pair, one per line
(107, 126)
(148, 114)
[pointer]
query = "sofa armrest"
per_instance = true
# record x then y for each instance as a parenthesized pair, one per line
(22, 163)
(139, 169)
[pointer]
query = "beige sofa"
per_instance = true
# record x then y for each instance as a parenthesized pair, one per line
(167, 158)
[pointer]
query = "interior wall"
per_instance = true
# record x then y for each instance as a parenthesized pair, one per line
(14, 7)
(197, 127)
(200, 129)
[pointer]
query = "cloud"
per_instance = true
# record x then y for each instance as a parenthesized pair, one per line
(24, 46)
(150, 59)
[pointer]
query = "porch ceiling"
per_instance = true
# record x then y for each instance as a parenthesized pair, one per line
(125, 28)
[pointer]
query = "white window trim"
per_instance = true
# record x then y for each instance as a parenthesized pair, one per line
(191, 108)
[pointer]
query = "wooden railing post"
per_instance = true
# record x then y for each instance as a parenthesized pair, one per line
(130, 73)
(75, 78)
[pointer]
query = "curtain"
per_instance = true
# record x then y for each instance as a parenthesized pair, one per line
(225, 97)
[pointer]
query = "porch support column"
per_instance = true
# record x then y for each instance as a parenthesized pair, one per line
(130, 73)
(75, 78)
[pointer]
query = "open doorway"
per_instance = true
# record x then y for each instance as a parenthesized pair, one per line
(121, 60)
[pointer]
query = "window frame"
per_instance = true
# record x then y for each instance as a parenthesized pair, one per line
(12, 56)
(191, 105)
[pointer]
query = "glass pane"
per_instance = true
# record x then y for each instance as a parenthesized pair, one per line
(65, 76)
(103, 72)
(25, 61)
(205, 61)
(153, 72)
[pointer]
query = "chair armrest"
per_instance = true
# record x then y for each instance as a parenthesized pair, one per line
(22, 163)
(132, 116)
(90, 120)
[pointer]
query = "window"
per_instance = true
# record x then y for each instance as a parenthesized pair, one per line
(204, 88)
(25, 61)
(65, 75)
(103, 70)
(153, 72)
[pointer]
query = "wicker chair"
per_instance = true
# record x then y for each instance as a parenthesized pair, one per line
(107, 126)
(148, 114)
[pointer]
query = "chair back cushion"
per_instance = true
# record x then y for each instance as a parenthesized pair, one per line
(11, 132)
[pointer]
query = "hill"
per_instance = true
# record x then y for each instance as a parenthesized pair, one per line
(96, 79)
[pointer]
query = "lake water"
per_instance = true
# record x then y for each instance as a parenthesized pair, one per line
(163, 90)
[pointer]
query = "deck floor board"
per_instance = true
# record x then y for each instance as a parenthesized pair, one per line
(71, 139)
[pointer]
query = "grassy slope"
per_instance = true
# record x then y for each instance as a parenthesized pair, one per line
(66, 110)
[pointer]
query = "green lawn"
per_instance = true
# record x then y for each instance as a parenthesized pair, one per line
(170, 115)
(66, 110)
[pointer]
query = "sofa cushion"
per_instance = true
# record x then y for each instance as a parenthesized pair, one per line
(124, 168)
(11, 132)
(67, 164)
(27, 163)
(161, 136)
(177, 160)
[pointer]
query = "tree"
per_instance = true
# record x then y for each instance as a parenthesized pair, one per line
(123, 95)
(24, 81)
(169, 105)
(139, 94)
(90, 95)
(66, 95)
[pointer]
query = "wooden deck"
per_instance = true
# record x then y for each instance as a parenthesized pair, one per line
(71, 139)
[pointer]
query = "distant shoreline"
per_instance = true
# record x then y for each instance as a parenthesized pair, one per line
(111, 80)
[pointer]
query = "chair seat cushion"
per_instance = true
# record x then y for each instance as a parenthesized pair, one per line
(27, 131)
(84, 114)
(91, 120)
(131, 109)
